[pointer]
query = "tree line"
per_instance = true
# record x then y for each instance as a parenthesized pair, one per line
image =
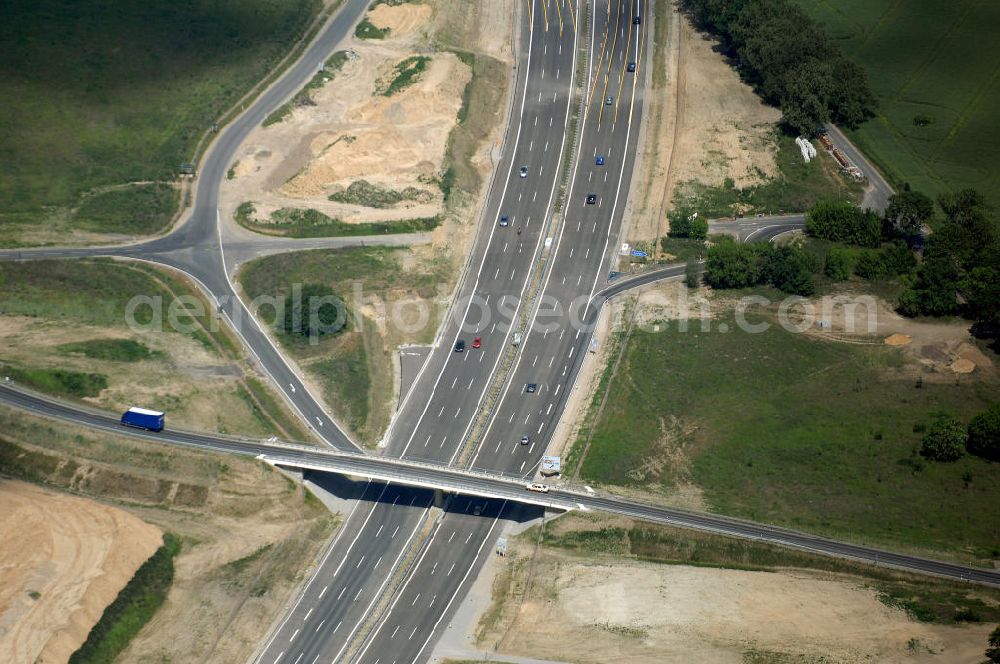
(790, 61)
(952, 270)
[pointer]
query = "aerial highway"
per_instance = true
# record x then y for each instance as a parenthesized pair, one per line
(469, 425)
(492, 424)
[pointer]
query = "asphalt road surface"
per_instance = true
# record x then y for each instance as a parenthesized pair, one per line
(879, 190)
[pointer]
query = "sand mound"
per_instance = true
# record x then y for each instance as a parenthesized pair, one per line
(63, 560)
(962, 366)
(898, 340)
(400, 19)
(397, 136)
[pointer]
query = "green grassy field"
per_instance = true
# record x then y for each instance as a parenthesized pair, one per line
(353, 367)
(98, 94)
(781, 428)
(935, 71)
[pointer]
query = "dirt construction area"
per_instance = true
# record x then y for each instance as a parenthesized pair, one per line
(63, 560)
(359, 127)
(703, 124)
(598, 608)
(248, 537)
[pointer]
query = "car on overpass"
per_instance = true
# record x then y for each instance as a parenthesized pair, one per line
(537, 487)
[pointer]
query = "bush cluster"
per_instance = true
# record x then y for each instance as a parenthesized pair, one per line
(732, 265)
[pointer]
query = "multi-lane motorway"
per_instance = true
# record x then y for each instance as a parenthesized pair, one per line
(449, 394)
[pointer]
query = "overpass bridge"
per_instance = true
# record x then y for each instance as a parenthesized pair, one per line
(491, 486)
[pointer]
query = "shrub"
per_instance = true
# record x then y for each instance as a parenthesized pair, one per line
(685, 224)
(945, 439)
(841, 221)
(984, 434)
(839, 264)
(869, 265)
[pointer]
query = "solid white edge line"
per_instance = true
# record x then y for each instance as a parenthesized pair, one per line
(308, 584)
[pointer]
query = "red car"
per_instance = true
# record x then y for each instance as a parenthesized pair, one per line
(477, 342)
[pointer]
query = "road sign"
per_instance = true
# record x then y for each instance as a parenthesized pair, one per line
(551, 465)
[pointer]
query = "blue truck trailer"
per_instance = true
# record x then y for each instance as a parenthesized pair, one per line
(143, 418)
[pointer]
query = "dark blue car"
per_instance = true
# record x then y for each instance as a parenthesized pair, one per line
(600, 160)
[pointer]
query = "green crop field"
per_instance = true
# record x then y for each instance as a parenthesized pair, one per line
(936, 72)
(97, 94)
(787, 429)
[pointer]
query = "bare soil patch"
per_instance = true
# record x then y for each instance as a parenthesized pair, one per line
(194, 385)
(724, 129)
(63, 560)
(934, 350)
(353, 132)
(704, 124)
(582, 608)
(249, 534)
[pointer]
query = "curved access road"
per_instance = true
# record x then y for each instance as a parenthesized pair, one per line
(195, 246)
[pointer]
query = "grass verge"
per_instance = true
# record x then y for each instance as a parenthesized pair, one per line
(59, 382)
(133, 608)
(481, 110)
(296, 222)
